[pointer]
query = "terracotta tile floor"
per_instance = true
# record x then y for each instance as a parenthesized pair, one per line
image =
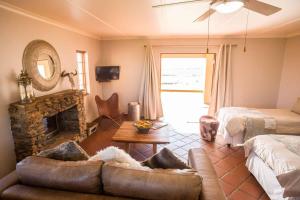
(229, 163)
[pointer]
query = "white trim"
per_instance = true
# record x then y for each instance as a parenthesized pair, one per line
(31, 15)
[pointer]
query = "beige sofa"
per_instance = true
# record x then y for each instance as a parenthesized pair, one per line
(165, 184)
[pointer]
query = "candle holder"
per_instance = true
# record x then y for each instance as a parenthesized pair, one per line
(25, 87)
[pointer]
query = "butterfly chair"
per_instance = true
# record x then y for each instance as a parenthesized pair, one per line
(109, 108)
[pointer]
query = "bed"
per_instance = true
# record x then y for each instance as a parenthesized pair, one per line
(237, 124)
(274, 160)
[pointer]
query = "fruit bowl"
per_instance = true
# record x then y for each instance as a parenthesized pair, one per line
(143, 126)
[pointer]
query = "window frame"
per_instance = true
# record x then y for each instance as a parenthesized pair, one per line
(84, 70)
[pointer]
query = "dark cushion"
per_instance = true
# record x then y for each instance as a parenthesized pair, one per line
(154, 184)
(78, 176)
(165, 159)
(68, 151)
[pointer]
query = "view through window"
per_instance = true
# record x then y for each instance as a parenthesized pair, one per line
(82, 67)
(183, 79)
(183, 72)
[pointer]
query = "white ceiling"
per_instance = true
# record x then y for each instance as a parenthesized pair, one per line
(109, 19)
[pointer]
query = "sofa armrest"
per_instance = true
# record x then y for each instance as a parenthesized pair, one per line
(8, 180)
(211, 189)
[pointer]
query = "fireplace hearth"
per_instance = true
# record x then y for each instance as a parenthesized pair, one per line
(48, 121)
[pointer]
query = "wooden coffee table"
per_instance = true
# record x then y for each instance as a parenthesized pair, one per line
(127, 134)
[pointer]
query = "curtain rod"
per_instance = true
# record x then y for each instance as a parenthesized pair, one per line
(171, 45)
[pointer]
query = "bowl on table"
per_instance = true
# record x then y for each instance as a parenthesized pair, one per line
(143, 126)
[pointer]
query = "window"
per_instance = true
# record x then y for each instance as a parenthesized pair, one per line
(183, 72)
(82, 69)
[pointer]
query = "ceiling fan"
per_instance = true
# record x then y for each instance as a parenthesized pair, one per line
(229, 6)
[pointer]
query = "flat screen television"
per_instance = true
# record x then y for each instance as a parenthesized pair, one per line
(107, 73)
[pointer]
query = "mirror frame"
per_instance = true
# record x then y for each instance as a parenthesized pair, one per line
(30, 58)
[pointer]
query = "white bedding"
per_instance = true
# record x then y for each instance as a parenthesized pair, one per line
(265, 176)
(280, 154)
(232, 119)
(233, 122)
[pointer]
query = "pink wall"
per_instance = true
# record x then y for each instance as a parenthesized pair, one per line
(256, 73)
(16, 32)
(290, 78)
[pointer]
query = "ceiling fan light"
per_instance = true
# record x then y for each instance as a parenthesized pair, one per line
(229, 6)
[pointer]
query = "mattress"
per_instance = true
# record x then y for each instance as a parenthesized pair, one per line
(287, 122)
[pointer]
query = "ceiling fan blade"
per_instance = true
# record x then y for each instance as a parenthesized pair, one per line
(205, 15)
(176, 3)
(260, 7)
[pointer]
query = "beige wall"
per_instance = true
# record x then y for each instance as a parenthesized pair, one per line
(256, 73)
(16, 32)
(290, 78)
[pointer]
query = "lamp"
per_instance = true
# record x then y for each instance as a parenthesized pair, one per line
(25, 87)
(228, 6)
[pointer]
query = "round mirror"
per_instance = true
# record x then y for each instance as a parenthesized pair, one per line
(45, 66)
(42, 64)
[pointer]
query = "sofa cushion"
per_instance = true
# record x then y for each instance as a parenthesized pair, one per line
(151, 184)
(165, 159)
(24, 192)
(211, 189)
(67, 151)
(296, 107)
(78, 176)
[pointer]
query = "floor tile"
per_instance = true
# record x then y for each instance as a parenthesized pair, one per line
(227, 188)
(180, 151)
(236, 176)
(252, 187)
(239, 195)
(213, 158)
(221, 171)
(227, 163)
(179, 143)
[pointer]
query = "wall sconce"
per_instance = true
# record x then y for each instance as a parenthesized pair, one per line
(25, 87)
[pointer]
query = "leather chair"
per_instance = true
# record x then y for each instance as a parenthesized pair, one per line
(109, 108)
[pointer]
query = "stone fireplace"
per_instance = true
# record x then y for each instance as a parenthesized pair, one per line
(48, 121)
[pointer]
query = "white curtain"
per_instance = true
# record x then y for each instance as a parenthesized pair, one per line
(150, 89)
(222, 81)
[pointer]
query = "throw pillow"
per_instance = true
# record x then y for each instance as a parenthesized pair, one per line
(296, 107)
(118, 157)
(165, 159)
(68, 151)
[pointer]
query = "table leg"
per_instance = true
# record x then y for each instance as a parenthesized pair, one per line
(154, 148)
(127, 147)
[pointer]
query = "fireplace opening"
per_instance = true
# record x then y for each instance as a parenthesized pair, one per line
(61, 127)
(51, 126)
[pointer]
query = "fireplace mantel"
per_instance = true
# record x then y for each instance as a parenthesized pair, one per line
(27, 124)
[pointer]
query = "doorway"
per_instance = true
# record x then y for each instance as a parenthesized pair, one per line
(185, 81)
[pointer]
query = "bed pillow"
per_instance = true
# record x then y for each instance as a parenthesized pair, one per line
(296, 107)
(165, 159)
(67, 151)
